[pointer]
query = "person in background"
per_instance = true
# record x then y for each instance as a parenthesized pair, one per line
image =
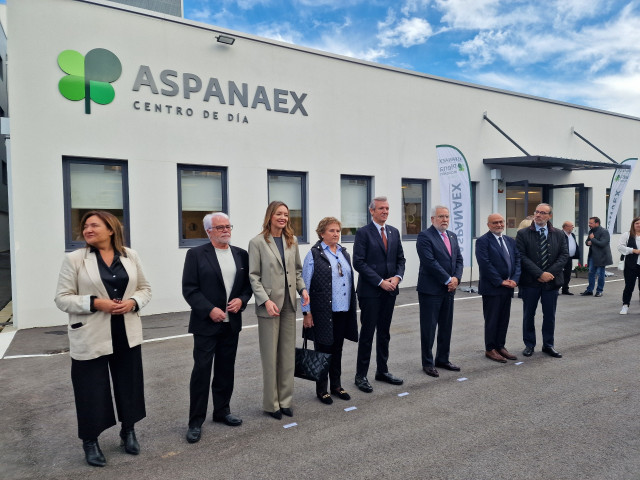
(628, 245)
(275, 273)
(330, 317)
(599, 256)
(102, 287)
(574, 252)
(215, 284)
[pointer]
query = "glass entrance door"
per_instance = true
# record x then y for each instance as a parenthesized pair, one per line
(570, 203)
(522, 200)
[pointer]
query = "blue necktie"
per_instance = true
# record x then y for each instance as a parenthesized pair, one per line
(544, 250)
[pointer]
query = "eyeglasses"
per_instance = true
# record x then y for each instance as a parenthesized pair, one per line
(442, 217)
(222, 228)
(340, 269)
(538, 212)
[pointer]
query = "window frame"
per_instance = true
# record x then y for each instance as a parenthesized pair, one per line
(195, 242)
(67, 161)
(424, 184)
(369, 180)
(304, 238)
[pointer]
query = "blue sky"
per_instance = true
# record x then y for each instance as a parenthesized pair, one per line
(579, 51)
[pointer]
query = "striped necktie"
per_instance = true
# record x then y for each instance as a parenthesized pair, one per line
(543, 248)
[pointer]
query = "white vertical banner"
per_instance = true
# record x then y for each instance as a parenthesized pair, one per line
(618, 186)
(455, 193)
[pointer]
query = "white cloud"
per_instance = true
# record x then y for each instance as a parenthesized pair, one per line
(407, 32)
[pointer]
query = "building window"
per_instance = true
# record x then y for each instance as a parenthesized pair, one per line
(5, 175)
(201, 190)
(93, 185)
(616, 227)
(636, 203)
(414, 207)
(291, 188)
(355, 195)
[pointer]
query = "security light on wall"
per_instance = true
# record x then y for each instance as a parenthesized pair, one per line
(225, 39)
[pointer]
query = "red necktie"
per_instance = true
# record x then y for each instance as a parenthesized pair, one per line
(384, 238)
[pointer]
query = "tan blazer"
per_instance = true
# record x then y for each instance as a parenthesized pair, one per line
(79, 280)
(267, 274)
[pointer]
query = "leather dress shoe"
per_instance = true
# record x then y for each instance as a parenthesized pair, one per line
(287, 411)
(229, 419)
(586, 293)
(341, 393)
(567, 293)
(528, 351)
(325, 398)
(495, 356)
(505, 353)
(193, 434)
(363, 384)
(129, 441)
(93, 454)
(598, 294)
(431, 371)
(277, 414)
(389, 378)
(552, 352)
(448, 366)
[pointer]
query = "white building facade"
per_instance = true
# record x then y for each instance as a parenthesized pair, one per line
(153, 118)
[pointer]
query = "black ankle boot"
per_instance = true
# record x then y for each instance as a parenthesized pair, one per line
(129, 440)
(93, 454)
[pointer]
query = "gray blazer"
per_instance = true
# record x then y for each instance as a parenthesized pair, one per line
(269, 277)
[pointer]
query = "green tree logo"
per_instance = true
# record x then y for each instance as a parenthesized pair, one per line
(89, 77)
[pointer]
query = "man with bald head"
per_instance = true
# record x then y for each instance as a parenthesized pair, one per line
(499, 263)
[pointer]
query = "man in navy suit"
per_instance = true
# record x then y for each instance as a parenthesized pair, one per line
(379, 259)
(215, 283)
(499, 264)
(441, 267)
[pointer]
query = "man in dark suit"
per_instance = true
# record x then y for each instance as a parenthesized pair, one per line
(543, 254)
(574, 252)
(379, 259)
(599, 257)
(441, 266)
(499, 265)
(215, 283)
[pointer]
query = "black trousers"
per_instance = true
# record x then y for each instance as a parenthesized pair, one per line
(435, 311)
(631, 276)
(566, 272)
(339, 320)
(223, 346)
(92, 389)
(497, 311)
(549, 300)
(375, 313)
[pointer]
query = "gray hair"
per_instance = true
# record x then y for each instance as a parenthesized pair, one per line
(545, 205)
(372, 205)
(206, 221)
(436, 208)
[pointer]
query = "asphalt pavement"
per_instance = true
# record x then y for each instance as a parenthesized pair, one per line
(538, 418)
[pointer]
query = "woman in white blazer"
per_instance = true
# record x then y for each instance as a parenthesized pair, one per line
(275, 272)
(102, 287)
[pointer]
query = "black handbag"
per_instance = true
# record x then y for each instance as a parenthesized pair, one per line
(311, 364)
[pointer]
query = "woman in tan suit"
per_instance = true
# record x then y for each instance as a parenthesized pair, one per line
(275, 272)
(102, 288)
